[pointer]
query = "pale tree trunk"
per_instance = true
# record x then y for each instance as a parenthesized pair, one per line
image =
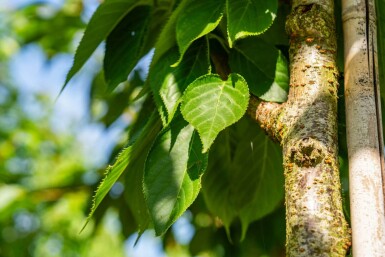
(364, 132)
(306, 127)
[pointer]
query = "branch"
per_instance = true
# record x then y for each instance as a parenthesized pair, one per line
(266, 114)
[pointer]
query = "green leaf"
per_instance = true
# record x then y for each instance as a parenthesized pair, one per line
(196, 20)
(265, 70)
(244, 179)
(276, 33)
(168, 83)
(167, 38)
(127, 158)
(124, 45)
(211, 105)
(134, 177)
(104, 20)
(172, 176)
(249, 17)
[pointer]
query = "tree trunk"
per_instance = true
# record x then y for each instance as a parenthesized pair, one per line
(306, 127)
(364, 132)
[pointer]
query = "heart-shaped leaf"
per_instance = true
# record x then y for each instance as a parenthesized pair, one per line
(168, 83)
(211, 104)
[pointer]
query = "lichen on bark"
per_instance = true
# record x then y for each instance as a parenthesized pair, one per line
(306, 127)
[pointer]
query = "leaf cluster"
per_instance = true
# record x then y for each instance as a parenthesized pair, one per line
(190, 134)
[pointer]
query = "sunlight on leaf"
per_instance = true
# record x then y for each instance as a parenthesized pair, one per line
(197, 19)
(211, 104)
(249, 17)
(172, 173)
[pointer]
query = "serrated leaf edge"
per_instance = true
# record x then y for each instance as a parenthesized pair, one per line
(217, 76)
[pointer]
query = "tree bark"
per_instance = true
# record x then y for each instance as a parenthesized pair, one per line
(364, 132)
(306, 127)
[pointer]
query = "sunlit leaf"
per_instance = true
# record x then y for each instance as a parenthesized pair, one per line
(173, 172)
(196, 20)
(276, 33)
(249, 17)
(167, 38)
(211, 104)
(168, 83)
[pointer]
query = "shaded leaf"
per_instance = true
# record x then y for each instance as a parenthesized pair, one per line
(197, 19)
(172, 173)
(124, 45)
(211, 104)
(168, 83)
(249, 17)
(244, 179)
(103, 21)
(265, 70)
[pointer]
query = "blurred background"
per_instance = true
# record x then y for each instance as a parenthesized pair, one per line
(54, 150)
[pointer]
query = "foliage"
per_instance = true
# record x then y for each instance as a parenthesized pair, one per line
(193, 103)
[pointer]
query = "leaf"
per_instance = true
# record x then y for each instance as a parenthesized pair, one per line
(124, 45)
(167, 38)
(134, 177)
(125, 159)
(197, 19)
(276, 33)
(103, 21)
(265, 70)
(211, 105)
(244, 179)
(168, 83)
(249, 17)
(173, 173)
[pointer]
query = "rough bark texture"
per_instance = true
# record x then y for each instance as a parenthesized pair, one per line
(364, 132)
(306, 127)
